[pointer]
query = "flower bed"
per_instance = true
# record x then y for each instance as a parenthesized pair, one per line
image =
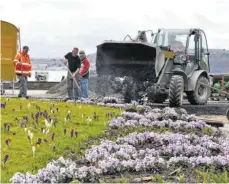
(34, 132)
(142, 153)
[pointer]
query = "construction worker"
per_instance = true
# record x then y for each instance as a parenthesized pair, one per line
(74, 64)
(175, 45)
(84, 74)
(23, 69)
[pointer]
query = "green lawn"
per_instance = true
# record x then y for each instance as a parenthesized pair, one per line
(20, 147)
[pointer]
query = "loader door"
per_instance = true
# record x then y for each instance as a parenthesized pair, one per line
(204, 62)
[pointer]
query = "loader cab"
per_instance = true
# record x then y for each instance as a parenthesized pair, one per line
(190, 43)
(197, 49)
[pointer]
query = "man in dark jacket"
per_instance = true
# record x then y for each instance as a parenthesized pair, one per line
(74, 65)
(84, 74)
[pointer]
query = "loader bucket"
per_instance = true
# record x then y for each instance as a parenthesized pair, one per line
(126, 59)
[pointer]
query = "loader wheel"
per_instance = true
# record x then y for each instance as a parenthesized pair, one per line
(201, 93)
(176, 89)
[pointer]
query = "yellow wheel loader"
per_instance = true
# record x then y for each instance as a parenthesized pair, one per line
(174, 62)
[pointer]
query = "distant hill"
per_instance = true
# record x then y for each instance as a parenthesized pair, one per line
(219, 62)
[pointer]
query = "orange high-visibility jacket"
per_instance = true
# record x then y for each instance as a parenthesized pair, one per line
(26, 67)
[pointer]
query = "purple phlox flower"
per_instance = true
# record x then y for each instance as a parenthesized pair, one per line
(6, 158)
(72, 133)
(54, 148)
(65, 131)
(76, 133)
(39, 141)
(53, 136)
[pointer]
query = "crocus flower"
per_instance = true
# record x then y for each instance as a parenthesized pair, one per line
(95, 116)
(8, 127)
(32, 115)
(29, 106)
(6, 158)
(69, 112)
(65, 131)
(55, 122)
(54, 148)
(5, 125)
(39, 141)
(33, 150)
(68, 117)
(7, 141)
(89, 119)
(31, 136)
(25, 129)
(53, 136)
(72, 133)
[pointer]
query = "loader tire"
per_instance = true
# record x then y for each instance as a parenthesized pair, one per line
(201, 93)
(176, 89)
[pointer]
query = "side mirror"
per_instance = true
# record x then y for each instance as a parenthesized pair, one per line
(207, 53)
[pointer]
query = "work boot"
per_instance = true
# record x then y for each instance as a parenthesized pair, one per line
(19, 96)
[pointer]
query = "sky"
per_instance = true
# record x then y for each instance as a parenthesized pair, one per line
(51, 28)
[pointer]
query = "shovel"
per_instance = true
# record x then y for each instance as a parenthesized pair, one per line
(74, 80)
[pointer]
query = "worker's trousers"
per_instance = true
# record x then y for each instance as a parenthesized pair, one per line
(73, 90)
(84, 87)
(22, 85)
